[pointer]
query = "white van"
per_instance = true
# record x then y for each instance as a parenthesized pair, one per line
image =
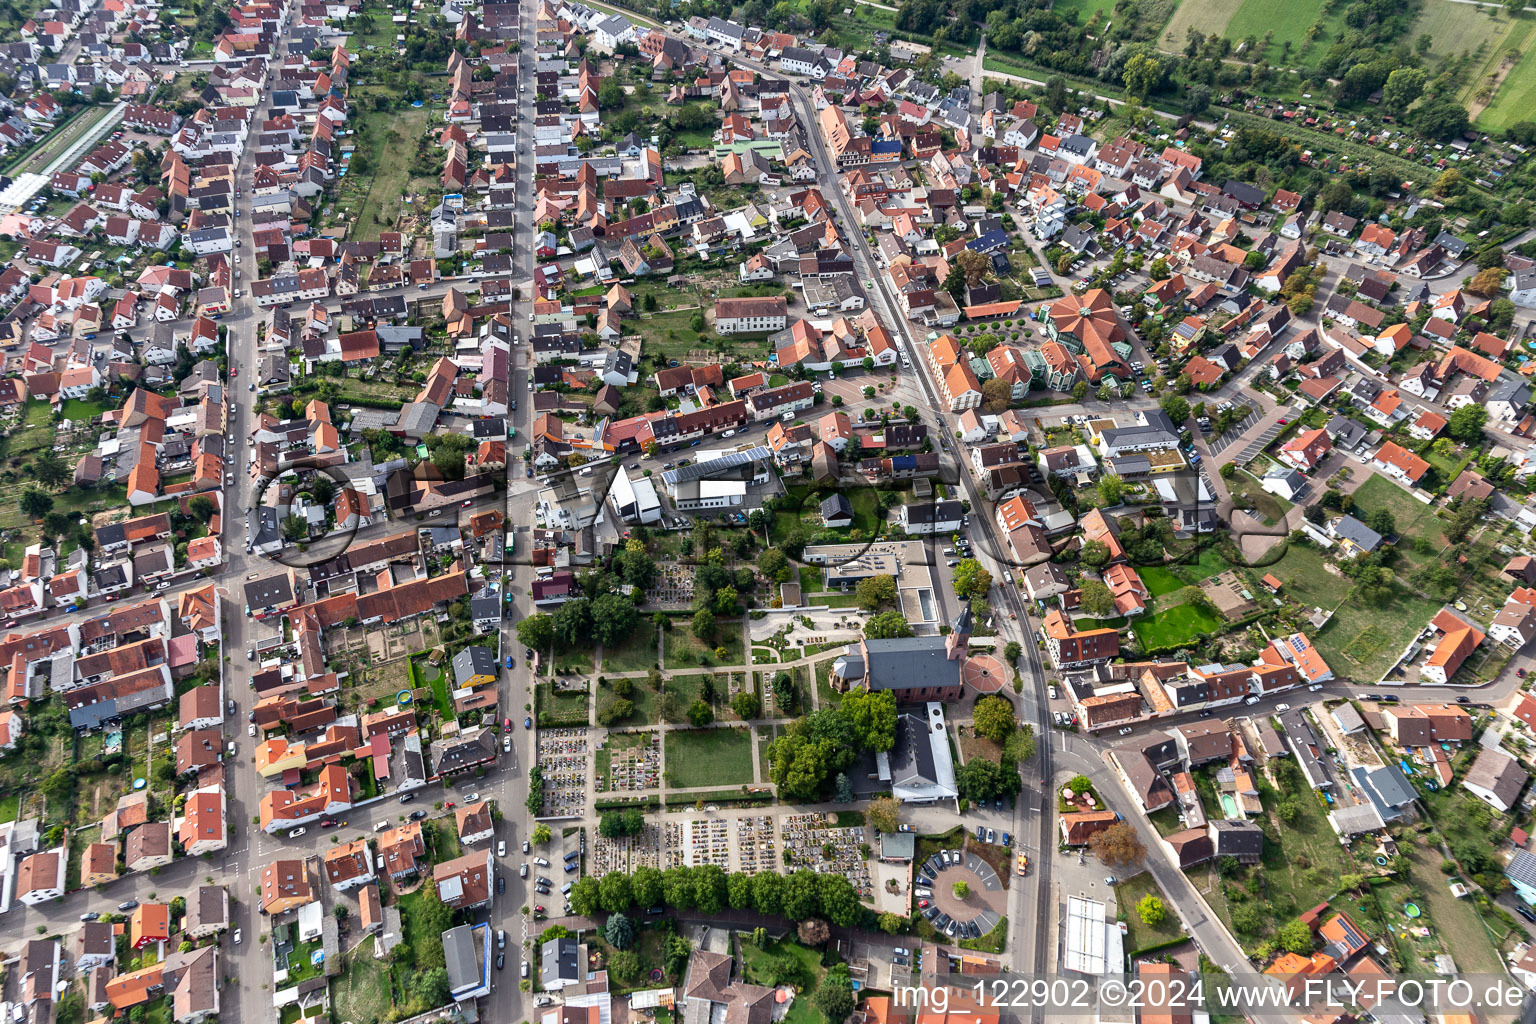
(380, 826)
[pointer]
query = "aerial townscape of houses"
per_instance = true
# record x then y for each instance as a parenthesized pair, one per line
(618, 436)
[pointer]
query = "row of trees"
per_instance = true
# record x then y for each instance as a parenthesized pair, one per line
(709, 890)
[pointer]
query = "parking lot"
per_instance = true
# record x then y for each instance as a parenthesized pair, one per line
(1232, 436)
(967, 916)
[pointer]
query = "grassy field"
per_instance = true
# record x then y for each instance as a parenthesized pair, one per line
(1239, 19)
(1516, 93)
(697, 758)
(759, 966)
(374, 202)
(1174, 625)
(1208, 16)
(1379, 492)
(559, 709)
(1084, 9)
(1460, 928)
(1160, 581)
(1139, 934)
(670, 336)
(1362, 642)
(636, 654)
(684, 650)
(80, 409)
(1289, 22)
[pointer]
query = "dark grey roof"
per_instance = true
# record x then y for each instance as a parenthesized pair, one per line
(1352, 529)
(464, 969)
(1346, 432)
(909, 663)
(558, 962)
(464, 753)
(471, 662)
(934, 512)
(836, 506)
(914, 765)
(1237, 838)
(270, 592)
(1387, 786)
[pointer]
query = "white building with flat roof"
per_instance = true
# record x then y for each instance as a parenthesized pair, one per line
(1094, 944)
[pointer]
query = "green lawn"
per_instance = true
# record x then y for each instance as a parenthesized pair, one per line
(698, 758)
(1309, 578)
(362, 992)
(762, 965)
(1412, 517)
(806, 512)
(1139, 935)
(637, 654)
(1160, 581)
(1517, 92)
(10, 807)
(684, 690)
(1173, 626)
(1288, 22)
(437, 679)
(79, 409)
(1238, 19)
(562, 709)
(1084, 9)
(684, 650)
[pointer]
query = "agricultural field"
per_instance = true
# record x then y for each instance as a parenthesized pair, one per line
(1515, 95)
(1239, 19)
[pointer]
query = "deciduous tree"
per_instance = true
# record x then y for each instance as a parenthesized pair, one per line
(1118, 846)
